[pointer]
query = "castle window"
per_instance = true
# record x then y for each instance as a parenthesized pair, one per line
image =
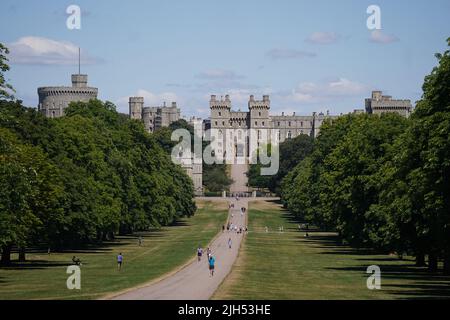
(278, 123)
(216, 123)
(220, 113)
(259, 134)
(223, 123)
(260, 114)
(256, 123)
(289, 135)
(289, 123)
(263, 123)
(301, 124)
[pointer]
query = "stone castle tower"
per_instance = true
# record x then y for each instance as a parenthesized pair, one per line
(136, 105)
(53, 100)
(153, 117)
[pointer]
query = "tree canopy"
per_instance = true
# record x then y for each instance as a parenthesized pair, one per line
(83, 177)
(382, 181)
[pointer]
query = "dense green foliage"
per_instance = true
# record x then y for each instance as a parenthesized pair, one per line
(383, 181)
(83, 177)
(291, 152)
(215, 177)
(6, 89)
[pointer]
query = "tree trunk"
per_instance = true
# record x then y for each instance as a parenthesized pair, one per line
(6, 255)
(420, 260)
(22, 257)
(447, 263)
(432, 262)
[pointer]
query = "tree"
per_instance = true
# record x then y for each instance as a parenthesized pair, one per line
(255, 179)
(6, 90)
(24, 175)
(110, 177)
(292, 152)
(422, 168)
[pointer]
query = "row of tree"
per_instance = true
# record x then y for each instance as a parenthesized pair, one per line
(383, 182)
(83, 178)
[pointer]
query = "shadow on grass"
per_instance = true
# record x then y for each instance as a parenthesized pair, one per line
(103, 247)
(34, 264)
(403, 279)
(421, 284)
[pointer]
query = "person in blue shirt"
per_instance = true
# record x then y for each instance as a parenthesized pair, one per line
(119, 261)
(211, 261)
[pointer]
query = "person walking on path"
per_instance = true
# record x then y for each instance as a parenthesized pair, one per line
(119, 261)
(229, 243)
(211, 261)
(199, 253)
(208, 253)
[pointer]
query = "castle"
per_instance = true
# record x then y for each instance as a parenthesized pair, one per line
(378, 104)
(235, 135)
(242, 133)
(53, 100)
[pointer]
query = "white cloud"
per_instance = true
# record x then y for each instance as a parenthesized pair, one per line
(345, 87)
(300, 97)
(278, 54)
(309, 92)
(44, 51)
(378, 36)
(323, 38)
(150, 99)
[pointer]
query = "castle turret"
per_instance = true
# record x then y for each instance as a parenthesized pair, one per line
(259, 112)
(136, 105)
(79, 80)
(220, 111)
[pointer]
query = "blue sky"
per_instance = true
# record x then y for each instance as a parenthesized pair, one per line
(308, 55)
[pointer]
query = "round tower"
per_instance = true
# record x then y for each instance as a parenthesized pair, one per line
(54, 100)
(136, 105)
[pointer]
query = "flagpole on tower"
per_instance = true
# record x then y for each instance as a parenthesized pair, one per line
(79, 60)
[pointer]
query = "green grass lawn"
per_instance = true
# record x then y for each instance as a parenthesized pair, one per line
(44, 276)
(289, 266)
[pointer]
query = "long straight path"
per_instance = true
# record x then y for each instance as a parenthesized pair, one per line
(240, 179)
(194, 282)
